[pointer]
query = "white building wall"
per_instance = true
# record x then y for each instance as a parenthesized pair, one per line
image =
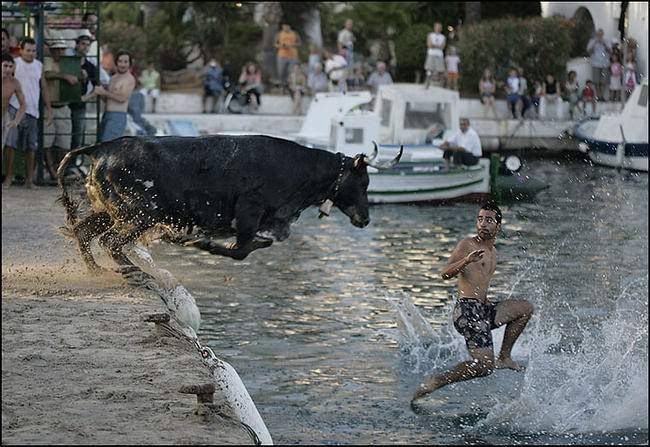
(637, 14)
(605, 15)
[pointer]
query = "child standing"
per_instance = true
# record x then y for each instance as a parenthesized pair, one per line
(452, 61)
(572, 89)
(615, 78)
(538, 91)
(589, 96)
(629, 76)
(297, 87)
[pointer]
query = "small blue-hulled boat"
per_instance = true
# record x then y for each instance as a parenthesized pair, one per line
(620, 140)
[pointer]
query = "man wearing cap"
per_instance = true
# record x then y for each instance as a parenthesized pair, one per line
(88, 81)
(57, 135)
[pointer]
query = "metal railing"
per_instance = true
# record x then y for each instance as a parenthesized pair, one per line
(47, 22)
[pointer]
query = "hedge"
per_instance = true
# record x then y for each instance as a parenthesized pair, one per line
(411, 50)
(540, 46)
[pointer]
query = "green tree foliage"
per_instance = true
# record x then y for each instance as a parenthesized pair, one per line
(497, 10)
(447, 13)
(540, 46)
(411, 52)
(175, 29)
(372, 20)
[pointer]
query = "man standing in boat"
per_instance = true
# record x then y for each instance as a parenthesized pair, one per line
(474, 261)
(464, 148)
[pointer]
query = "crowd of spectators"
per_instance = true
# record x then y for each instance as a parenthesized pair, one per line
(69, 76)
(115, 80)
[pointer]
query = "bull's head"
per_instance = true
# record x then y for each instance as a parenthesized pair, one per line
(352, 195)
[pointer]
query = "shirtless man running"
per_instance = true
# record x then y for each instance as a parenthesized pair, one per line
(474, 261)
(10, 87)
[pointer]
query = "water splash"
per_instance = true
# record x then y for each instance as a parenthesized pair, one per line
(425, 348)
(599, 385)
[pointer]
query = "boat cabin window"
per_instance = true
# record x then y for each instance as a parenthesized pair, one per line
(385, 111)
(643, 97)
(354, 135)
(424, 115)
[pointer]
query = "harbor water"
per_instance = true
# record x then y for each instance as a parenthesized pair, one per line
(332, 329)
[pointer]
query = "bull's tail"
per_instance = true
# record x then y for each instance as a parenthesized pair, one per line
(71, 207)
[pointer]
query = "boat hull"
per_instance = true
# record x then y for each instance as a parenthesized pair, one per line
(426, 182)
(604, 153)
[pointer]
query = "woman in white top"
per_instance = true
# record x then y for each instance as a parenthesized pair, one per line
(435, 62)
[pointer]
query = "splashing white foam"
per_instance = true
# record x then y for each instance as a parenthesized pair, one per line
(425, 348)
(600, 385)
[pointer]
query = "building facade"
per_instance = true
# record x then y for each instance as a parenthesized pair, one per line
(606, 15)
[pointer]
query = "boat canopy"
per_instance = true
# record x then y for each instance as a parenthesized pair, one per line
(408, 113)
(633, 120)
(326, 106)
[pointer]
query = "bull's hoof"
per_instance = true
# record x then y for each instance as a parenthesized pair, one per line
(127, 269)
(138, 278)
(96, 270)
(261, 243)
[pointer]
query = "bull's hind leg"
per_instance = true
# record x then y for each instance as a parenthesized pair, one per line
(114, 241)
(85, 231)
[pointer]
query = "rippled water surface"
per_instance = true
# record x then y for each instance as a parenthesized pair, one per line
(332, 329)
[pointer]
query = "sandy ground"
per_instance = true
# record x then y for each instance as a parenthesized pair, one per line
(79, 366)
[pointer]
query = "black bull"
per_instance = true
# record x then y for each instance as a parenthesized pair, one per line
(252, 187)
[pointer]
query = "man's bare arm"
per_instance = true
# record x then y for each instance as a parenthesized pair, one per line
(70, 79)
(119, 94)
(459, 260)
(18, 91)
(46, 99)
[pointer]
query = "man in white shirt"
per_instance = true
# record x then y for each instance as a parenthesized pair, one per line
(600, 51)
(379, 77)
(435, 62)
(29, 72)
(464, 147)
(336, 70)
(346, 41)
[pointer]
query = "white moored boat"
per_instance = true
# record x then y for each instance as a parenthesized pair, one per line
(619, 140)
(403, 115)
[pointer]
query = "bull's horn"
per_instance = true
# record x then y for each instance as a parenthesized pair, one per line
(375, 151)
(386, 164)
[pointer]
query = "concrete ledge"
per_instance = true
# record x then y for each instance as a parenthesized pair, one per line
(214, 123)
(275, 117)
(191, 103)
(171, 102)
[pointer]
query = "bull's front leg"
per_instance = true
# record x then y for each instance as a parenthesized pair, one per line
(233, 250)
(248, 218)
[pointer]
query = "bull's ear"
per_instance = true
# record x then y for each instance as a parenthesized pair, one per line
(359, 161)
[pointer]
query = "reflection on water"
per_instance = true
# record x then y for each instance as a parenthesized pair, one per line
(332, 329)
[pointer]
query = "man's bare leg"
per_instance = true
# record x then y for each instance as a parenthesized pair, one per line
(515, 314)
(9, 167)
(482, 364)
(51, 154)
(29, 168)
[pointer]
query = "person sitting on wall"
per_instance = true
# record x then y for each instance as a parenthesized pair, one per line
(464, 148)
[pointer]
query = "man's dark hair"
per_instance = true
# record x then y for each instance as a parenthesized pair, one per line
(122, 53)
(88, 14)
(6, 57)
(492, 206)
(27, 40)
